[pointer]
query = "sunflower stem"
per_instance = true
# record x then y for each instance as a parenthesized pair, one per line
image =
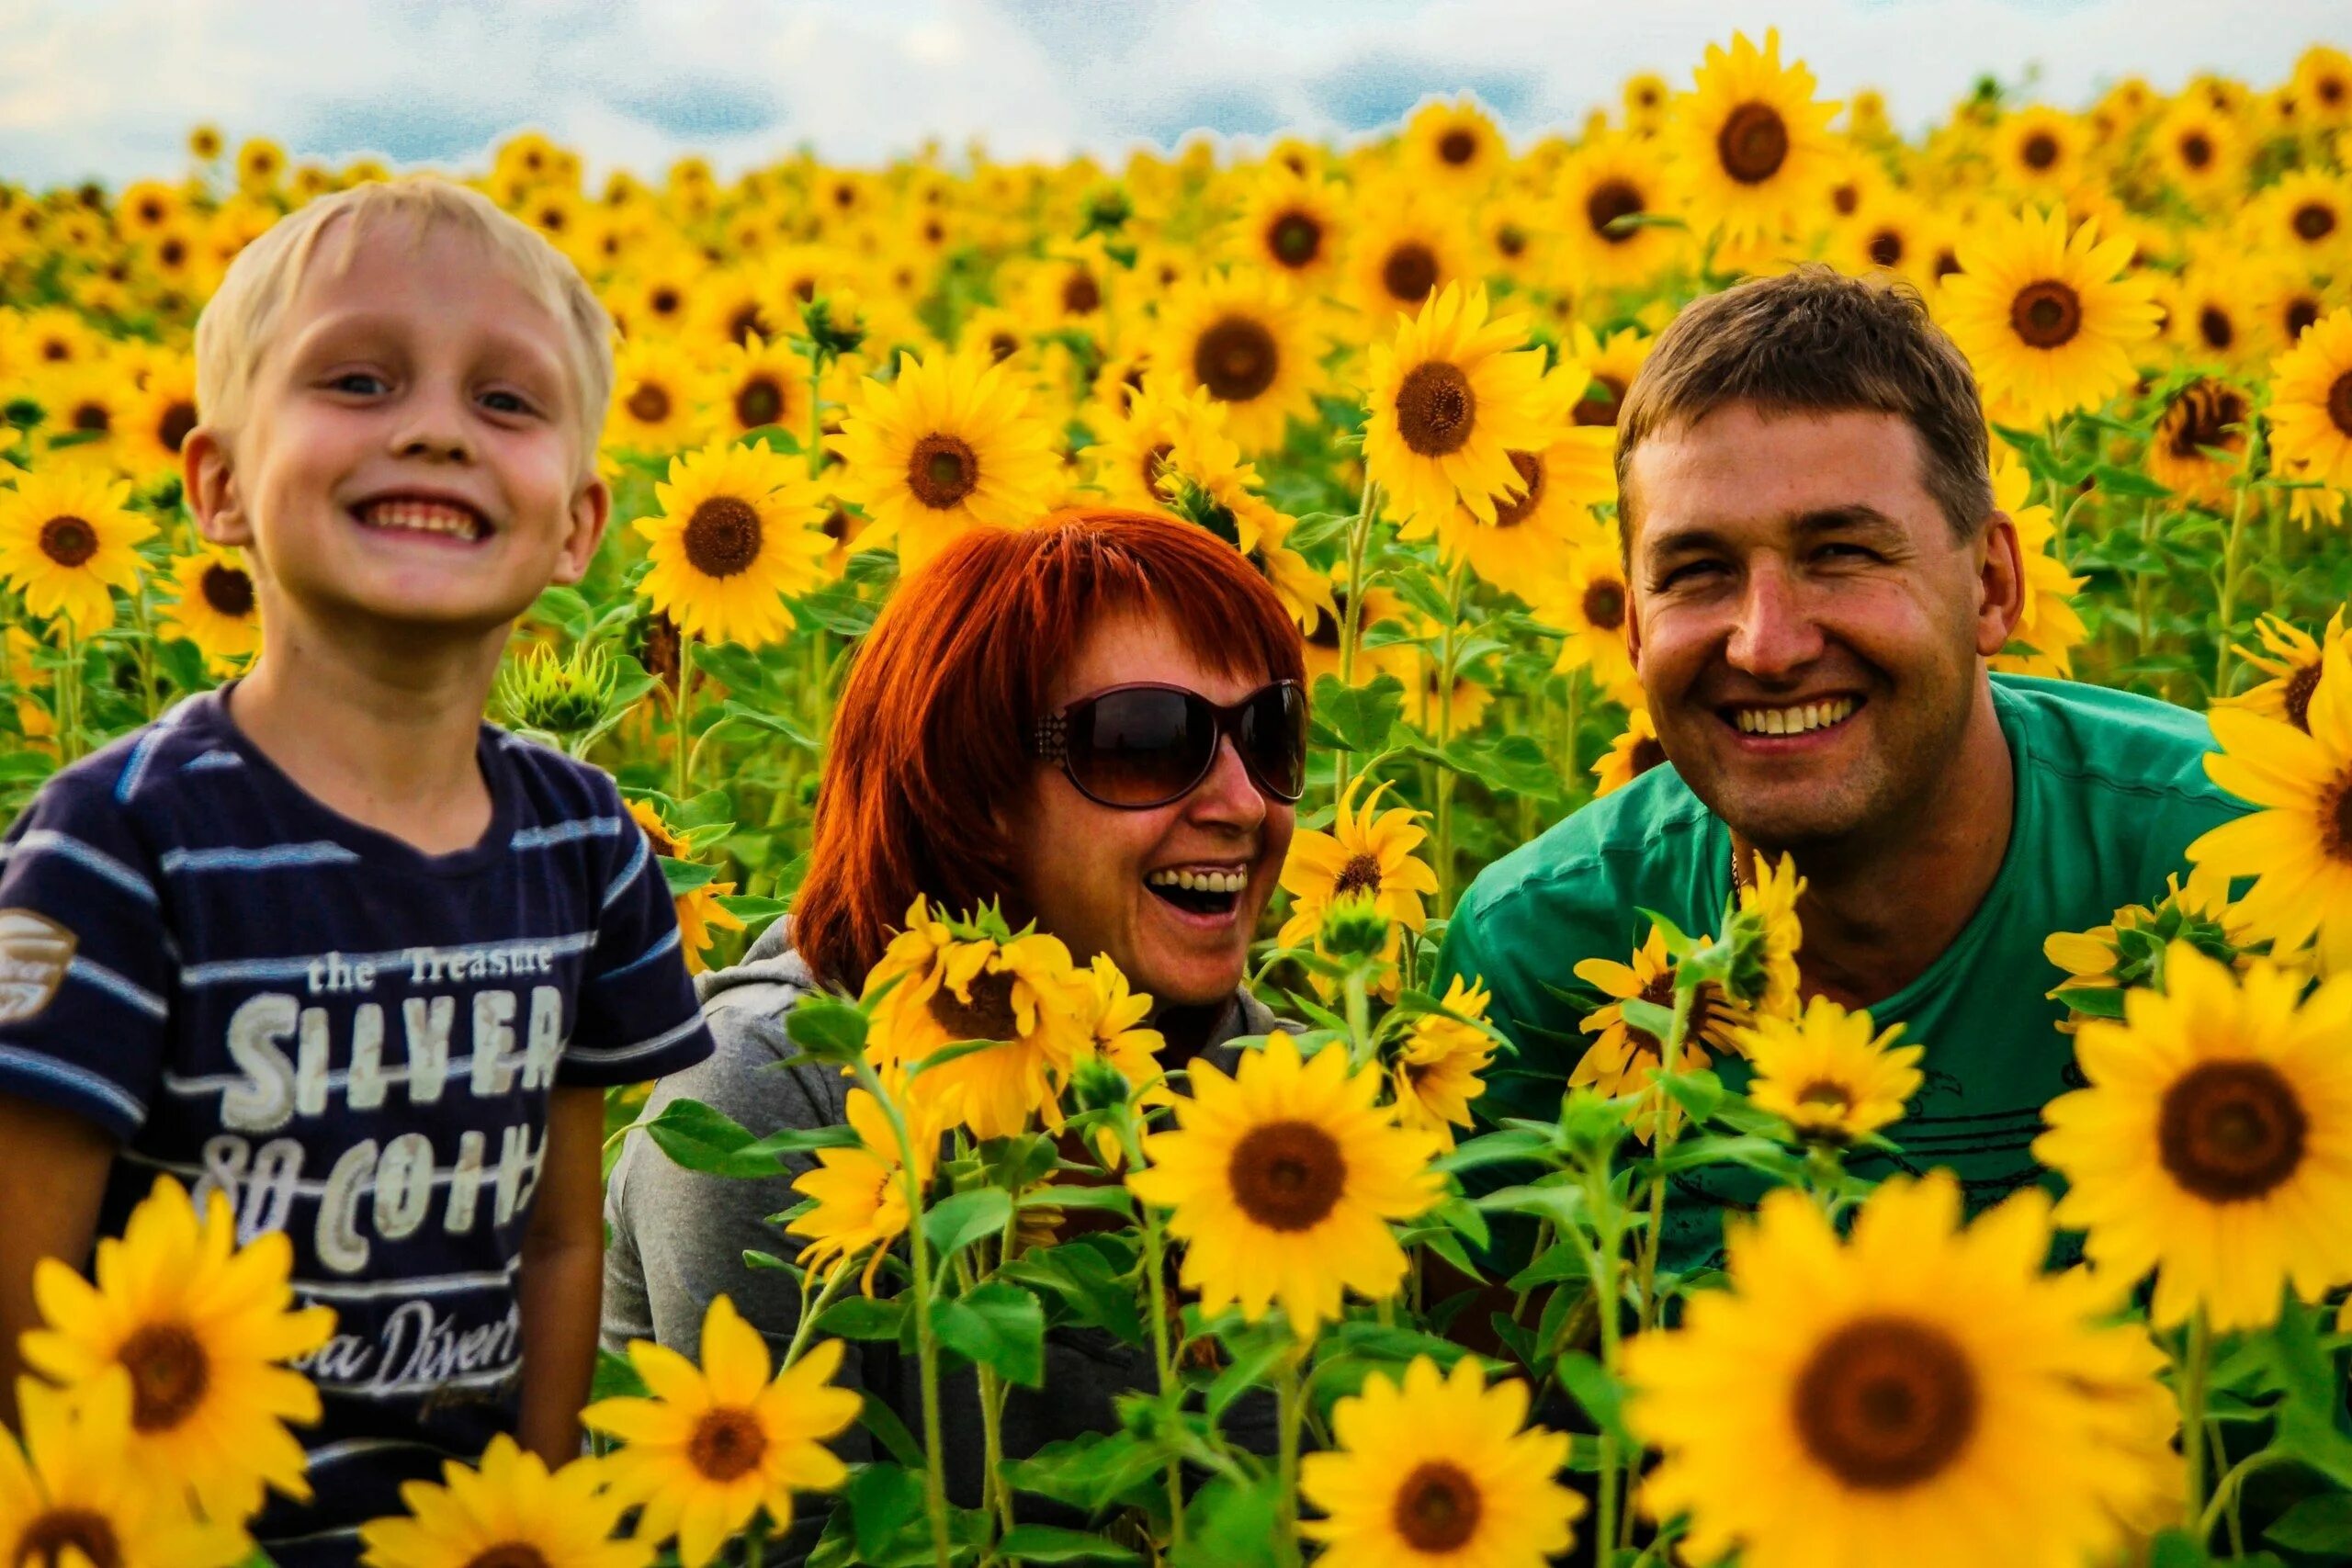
(1669, 1060)
(146, 649)
(684, 705)
(2193, 1368)
(1572, 721)
(2232, 563)
(1352, 613)
(1291, 1413)
(2226, 1491)
(1358, 994)
(1446, 648)
(69, 695)
(811, 1311)
(1156, 1271)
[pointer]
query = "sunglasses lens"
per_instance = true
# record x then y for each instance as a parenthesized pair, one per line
(1141, 747)
(1273, 738)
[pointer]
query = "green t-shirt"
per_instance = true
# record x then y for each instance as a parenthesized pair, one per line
(2111, 790)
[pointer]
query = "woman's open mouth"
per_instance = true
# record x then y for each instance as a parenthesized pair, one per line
(1202, 890)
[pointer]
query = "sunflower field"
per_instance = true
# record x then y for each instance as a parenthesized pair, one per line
(1386, 374)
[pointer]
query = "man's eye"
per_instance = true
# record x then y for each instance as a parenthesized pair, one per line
(1846, 553)
(1690, 574)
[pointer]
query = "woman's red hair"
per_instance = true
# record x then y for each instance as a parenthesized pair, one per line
(930, 742)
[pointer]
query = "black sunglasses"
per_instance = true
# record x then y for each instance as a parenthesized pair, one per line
(1139, 745)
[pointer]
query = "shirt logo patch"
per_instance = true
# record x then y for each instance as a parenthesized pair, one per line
(34, 954)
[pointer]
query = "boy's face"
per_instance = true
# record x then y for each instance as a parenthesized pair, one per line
(410, 455)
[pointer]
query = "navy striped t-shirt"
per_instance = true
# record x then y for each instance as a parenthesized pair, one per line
(352, 1040)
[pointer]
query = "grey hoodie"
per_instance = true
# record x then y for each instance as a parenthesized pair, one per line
(678, 1238)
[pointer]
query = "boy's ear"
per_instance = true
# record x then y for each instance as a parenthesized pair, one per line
(210, 487)
(591, 510)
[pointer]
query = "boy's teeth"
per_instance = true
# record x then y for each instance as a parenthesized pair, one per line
(1199, 881)
(424, 516)
(1794, 720)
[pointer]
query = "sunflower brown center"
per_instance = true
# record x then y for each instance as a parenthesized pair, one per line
(1845, 198)
(2301, 312)
(1326, 634)
(1002, 346)
(1409, 272)
(46, 1540)
(758, 401)
(1236, 359)
(1438, 1506)
(1604, 605)
(92, 419)
(1706, 1007)
(2339, 403)
(1436, 408)
(988, 1016)
(508, 1554)
(1606, 203)
(1753, 143)
(665, 301)
(1592, 411)
(1511, 511)
(1511, 241)
(2314, 220)
(2196, 149)
(1360, 875)
(2214, 325)
(1081, 296)
(68, 540)
(1457, 147)
(1826, 1094)
(744, 323)
(1294, 238)
(942, 471)
(169, 1372)
(2203, 417)
(1287, 1175)
(2046, 314)
(1646, 754)
(649, 404)
(171, 252)
(2230, 1131)
(178, 418)
(1887, 1403)
(2301, 686)
(228, 590)
(1153, 480)
(2041, 150)
(728, 1442)
(723, 537)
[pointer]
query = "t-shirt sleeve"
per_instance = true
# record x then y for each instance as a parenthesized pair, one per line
(638, 1018)
(87, 964)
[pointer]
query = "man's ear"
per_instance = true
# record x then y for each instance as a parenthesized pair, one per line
(210, 483)
(591, 510)
(2001, 585)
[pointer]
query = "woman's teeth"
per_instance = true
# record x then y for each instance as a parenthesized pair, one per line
(1199, 881)
(422, 517)
(1795, 720)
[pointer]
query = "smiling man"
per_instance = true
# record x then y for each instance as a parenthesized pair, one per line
(1819, 579)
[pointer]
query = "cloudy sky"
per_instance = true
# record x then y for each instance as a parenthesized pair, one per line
(109, 87)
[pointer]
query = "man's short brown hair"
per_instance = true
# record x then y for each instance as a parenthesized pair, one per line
(1814, 341)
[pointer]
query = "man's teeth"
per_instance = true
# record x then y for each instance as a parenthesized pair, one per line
(422, 516)
(1795, 720)
(1199, 881)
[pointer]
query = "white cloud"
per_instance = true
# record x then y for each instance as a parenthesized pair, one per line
(109, 87)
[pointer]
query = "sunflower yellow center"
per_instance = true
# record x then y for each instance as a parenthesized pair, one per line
(69, 541)
(228, 590)
(2301, 686)
(723, 537)
(1081, 296)
(2232, 1131)
(46, 1540)
(1294, 238)
(1409, 272)
(1603, 410)
(758, 401)
(1511, 511)
(169, 1372)
(1287, 1175)
(1436, 408)
(1604, 605)
(509, 1555)
(727, 1442)
(1457, 147)
(172, 427)
(1606, 203)
(1438, 1507)
(1236, 359)
(2041, 150)
(2046, 314)
(1753, 143)
(1887, 1403)
(942, 471)
(988, 1016)
(2339, 403)
(1360, 875)
(649, 404)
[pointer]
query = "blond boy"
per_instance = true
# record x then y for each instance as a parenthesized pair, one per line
(324, 940)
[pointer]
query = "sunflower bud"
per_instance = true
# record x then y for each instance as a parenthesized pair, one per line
(833, 325)
(554, 693)
(1189, 500)
(1355, 927)
(1098, 1085)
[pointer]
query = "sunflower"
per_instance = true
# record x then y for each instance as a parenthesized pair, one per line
(948, 982)
(717, 1443)
(2051, 628)
(2293, 659)
(260, 163)
(201, 1327)
(756, 383)
(698, 909)
(2204, 417)
(1768, 901)
(1322, 629)
(1892, 231)
(2298, 845)
(1292, 223)
(67, 537)
(1365, 854)
(2047, 316)
(860, 1193)
(2287, 302)
(2322, 82)
(1750, 144)
(2040, 150)
(1589, 603)
(1436, 1471)
(1528, 537)
(2211, 313)
(88, 407)
(1449, 401)
(2310, 401)
(1612, 363)
(2199, 150)
(950, 445)
(1130, 463)
(1283, 1179)
(2128, 950)
(653, 407)
(158, 419)
(1241, 333)
(1826, 1075)
(1624, 1061)
(1453, 146)
(1435, 1075)
(1634, 752)
(1860, 1402)
(509, 1509)
(35, 722)
(2307, 215)
(1119, 1036)
(67, 1500)
(1403, 252)
(737, 533)
(209, 599)
(205, 142)
(1610, 179)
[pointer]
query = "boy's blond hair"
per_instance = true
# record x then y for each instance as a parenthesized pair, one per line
(240, 321)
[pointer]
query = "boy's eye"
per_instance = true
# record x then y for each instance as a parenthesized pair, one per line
(507, 402)
(359, 383)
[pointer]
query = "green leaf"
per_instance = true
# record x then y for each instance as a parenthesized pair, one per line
(863, 1317)
(1496, 1148)
(1103, 1198)
(882, 1499)
(616, 1378)
(876, 1417)
(1648, 1017)
(1562, 1204)
(2094, 1001)
(699, 1138)
(1230, 1524)
(1084, 1285)
(1696, 1089)
(1251, 1363)
(1048, 1543)
(761, 718)
(2177, 1548)
(827, 1027)
(2107, 478)
(684, 876)
(1602, 1397)
(1358, 719)
(1748, 1149)
(1090, 1473)
(751, 908)
(997, 1325)
(955, 1224)
(2317, 1523)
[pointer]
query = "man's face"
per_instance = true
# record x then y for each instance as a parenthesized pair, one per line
(411, 453)
(1808, 632)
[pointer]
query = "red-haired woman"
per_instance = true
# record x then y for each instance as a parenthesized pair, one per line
(1176, 677)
